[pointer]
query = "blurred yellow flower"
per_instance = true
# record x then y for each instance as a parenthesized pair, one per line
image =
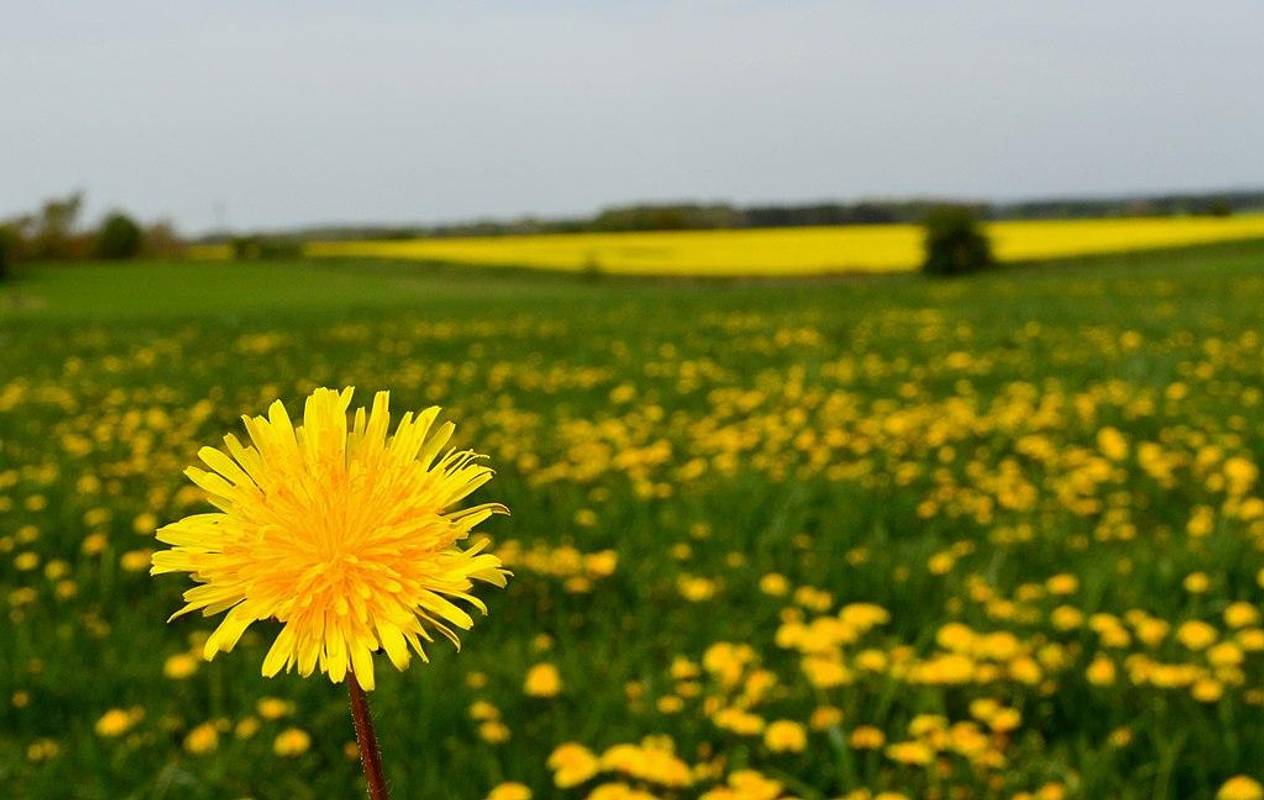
(117, 721)
(145, 523)
(246, 727)
(825, 717)
(867, 737)
(42, 750)
(670, 704)
(509, 791)
(272, 708)
(1240, 615)
(202, 739)
(482, 711)
(135, 560)
(785, 736)
(25, 562)
(572, 764)
(494, 732)
(1196, 583)
(180, 666)
(543, 680)
(1101, 671)
(291, 742)
(1240, 787)
(1196, 634)
(1063, 584)
(774, 584)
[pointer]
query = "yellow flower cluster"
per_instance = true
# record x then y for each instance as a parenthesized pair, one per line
(998, 538)
(577, 570)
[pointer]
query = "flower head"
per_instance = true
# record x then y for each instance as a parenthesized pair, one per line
(346, 537)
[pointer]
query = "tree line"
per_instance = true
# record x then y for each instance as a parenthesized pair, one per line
(709, 216)
(53, 232)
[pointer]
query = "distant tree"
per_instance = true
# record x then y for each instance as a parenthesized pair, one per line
(955, 242)
(8, 251)
(668, 217)
(1219, 207)
(161, 240)
(53, 235)
(119, 237)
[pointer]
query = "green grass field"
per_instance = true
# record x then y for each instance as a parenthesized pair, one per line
(992, 537)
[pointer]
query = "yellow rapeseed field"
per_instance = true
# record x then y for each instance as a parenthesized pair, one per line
(790, 251)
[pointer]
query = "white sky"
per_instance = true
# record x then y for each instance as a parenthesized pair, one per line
(319, 112)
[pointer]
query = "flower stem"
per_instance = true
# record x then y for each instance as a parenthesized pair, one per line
(370, 756)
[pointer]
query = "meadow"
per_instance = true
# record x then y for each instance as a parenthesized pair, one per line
(992, 537)
(773, 252)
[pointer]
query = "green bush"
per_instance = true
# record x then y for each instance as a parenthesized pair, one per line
(265, 247)
(955, 242)
(119, 237)
(8, 246)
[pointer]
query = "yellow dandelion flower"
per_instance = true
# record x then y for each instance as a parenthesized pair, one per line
(867, 737)
(346, 537)
(180, 666)
(483, 711)
(117, 722)
(1240, 787)
(1240, 615)
(1196, 635)
(494, 732)
(202, 739)
(510, 791)
(271, 708)
(916, 753)
(1196, 583)
(824, 717)
(785, 736)
(572, 764)
(670, 704)
(145, 523)
(543, 680)
(1120, 737)
(94, 543)
(135, 560)
(246, 728)
(774, 584)
(42, 750)
(1101, 672)
(291, 742)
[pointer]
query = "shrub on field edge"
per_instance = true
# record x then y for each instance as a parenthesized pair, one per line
(955, 242)
(1219, 208)
(8, 246)
(119, 237)
(263, 247)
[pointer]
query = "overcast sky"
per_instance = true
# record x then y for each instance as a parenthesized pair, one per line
(311, 112)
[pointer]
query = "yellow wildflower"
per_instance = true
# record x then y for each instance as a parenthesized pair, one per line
(344, 536)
